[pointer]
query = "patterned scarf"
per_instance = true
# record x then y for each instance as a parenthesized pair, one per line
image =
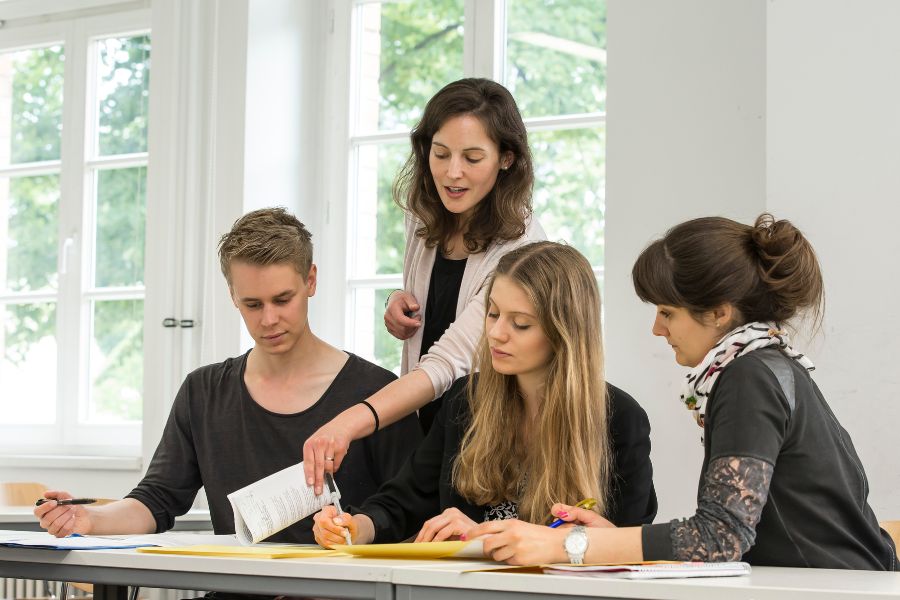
(743, 339)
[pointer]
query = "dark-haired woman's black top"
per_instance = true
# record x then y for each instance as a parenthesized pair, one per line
(422, 488)
(782, 484)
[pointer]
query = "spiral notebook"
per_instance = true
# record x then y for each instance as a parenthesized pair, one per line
(653, 570)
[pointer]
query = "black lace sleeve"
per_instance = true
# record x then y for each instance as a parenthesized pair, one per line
(732, 498)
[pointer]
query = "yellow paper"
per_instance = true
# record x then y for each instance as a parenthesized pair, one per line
(422, 550)
(244, 551)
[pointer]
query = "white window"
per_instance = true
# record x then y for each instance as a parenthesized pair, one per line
(549, 54)
(73, 164)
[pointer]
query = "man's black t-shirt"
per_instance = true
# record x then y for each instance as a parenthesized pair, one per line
(218, 437)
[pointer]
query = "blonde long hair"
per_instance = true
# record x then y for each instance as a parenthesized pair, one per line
(567, 456)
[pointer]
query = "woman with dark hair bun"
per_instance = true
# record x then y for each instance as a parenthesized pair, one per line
(781, 482)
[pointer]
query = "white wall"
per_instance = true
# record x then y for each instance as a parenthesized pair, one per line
(833, 149)
(732, 108)
(686, 134)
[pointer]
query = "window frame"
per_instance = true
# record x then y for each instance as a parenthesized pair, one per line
(78, 169)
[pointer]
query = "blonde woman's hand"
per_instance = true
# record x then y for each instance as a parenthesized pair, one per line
(519, 543)
(401, 316)
(448, 525)
(329, 528)
(574, 515)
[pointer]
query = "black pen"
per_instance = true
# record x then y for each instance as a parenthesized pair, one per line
(66, 502)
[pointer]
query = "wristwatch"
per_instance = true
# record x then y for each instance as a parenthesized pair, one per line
(576, 544)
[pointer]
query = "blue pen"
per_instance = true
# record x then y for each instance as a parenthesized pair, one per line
(587, 503)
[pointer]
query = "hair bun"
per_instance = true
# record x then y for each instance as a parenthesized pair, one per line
(787, 264)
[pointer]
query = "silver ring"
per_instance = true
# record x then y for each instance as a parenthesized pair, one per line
(329, 458)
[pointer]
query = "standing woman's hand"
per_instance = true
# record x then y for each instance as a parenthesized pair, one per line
(401, 316)
(325, 450)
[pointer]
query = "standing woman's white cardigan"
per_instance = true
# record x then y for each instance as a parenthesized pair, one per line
(451, 356)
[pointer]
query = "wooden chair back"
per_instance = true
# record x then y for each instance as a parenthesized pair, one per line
(893, 528)
(21, 493)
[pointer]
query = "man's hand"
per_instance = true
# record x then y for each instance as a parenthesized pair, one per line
(62, 520)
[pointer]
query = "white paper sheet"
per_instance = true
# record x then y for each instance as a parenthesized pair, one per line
(273, 503)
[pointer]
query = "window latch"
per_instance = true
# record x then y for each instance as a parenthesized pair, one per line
(173, 322)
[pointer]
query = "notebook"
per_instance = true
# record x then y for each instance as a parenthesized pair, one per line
(652, 570)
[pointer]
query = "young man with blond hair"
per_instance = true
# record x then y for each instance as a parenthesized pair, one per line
(235, 422)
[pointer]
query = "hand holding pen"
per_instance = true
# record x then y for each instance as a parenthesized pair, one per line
(580, 514)
(66, 501)
(336, 500)
(65, 515)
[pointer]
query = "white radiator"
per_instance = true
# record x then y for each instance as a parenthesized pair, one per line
(21, 589)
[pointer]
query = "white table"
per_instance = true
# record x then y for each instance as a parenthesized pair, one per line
(344, 577)
(349, 577)
(21, 518)
(449, 582)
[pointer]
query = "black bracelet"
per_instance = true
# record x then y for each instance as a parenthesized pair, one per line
(386, 302)
(374, 414)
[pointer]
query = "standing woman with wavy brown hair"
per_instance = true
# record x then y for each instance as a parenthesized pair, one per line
(781, 483)
(537, 425)
(466, 192)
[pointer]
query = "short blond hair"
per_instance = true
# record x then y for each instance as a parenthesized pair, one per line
(265, 237)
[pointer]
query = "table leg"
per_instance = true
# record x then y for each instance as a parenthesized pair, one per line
(110, 592)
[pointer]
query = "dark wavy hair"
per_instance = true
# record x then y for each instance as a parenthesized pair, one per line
(767, 271)
(503, 213)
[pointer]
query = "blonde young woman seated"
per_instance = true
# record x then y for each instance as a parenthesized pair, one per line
(538, 426)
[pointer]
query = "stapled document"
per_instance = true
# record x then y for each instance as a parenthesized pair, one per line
(266, 507)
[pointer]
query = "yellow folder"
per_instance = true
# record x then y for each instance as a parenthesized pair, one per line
(422, 550)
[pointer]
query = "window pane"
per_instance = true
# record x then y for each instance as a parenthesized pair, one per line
(569, 187)
(371, 339)
(556, 56)
(28, 368)
(408, 51)
(31, 95)
(29, 208)
(380, 236)
(123, 92)
(116, 361)
(120, 214)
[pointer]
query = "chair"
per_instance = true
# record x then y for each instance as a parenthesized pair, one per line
(26, 493)
(21, 493)
(893, 528)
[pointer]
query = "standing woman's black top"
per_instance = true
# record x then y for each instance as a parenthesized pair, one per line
(440, 312)
(422, 488)
(781, 484)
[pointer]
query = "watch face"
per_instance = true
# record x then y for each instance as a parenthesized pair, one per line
(576, 542)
